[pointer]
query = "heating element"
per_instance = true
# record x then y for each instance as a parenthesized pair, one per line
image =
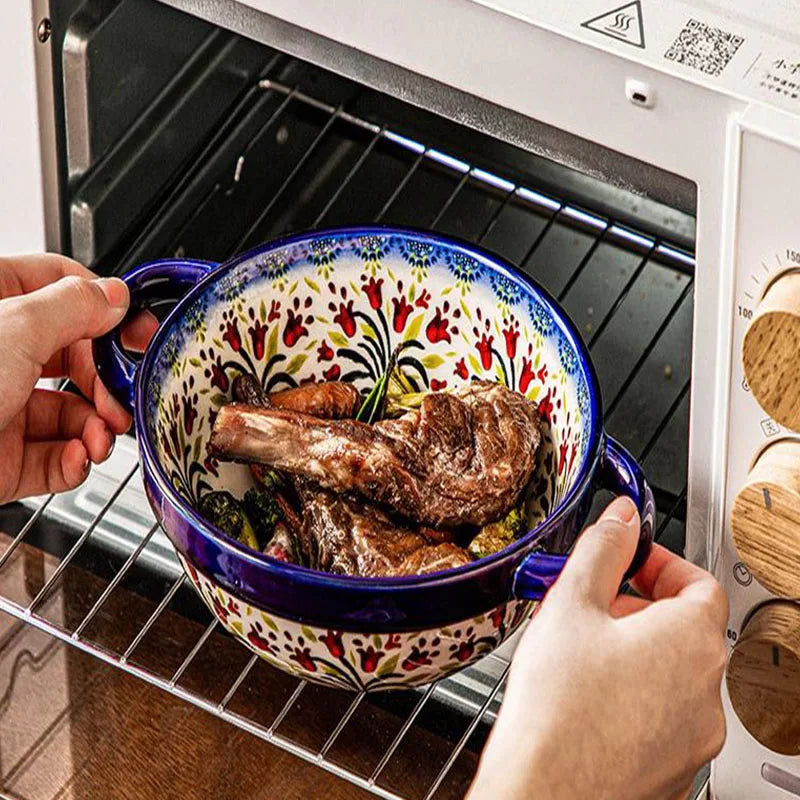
(290, 157)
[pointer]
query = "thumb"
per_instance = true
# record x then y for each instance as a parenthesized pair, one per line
(603, 552)
(64, 312)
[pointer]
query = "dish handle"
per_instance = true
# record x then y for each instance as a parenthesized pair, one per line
(619, 473)
(148, 283)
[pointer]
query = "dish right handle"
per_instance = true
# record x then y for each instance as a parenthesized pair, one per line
(619, 473)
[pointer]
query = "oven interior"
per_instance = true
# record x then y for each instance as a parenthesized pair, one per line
(177, 138)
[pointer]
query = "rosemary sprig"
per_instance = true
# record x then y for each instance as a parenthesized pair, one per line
(373, 407)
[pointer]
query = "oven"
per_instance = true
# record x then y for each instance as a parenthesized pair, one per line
(639, 161)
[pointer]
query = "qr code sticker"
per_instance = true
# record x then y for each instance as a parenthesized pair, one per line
(702, 47)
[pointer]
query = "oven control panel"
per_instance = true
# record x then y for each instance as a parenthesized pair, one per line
(758, 559)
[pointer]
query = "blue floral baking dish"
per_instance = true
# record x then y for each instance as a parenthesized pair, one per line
(333, 305)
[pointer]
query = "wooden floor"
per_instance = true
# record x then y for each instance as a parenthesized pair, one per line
(73, 727)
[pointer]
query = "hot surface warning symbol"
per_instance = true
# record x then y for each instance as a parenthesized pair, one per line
(623, 23)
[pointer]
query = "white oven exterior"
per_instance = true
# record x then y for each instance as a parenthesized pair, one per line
(508, 61)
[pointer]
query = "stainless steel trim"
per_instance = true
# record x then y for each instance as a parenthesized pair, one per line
(43, 53)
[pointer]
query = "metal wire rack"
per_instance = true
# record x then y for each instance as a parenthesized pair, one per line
(618, 277)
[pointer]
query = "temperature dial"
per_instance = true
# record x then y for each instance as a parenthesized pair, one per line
(771, 351)
(763, 677)
(765, 519)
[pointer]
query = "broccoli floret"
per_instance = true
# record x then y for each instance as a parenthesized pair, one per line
(264, 512)
(496, 536)
(226, 512)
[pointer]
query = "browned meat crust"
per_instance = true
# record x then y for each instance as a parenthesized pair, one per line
(332, 400)
(457, 460)
(355, 540)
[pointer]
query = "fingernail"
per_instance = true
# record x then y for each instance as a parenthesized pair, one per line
(85, 465)
(112, 443)
(622, 509)
(115, 290)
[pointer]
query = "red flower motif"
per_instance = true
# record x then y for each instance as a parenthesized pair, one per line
(258, 333)
(497, 616)
(546, 406)
(436, 330)
(542, 373)
(333, 641)
(437, 385)
(423, 300)
(402, 308)
(212, 465)
(233, 607)
(308, 379)
(562, 456)
(165, 444)
(461, 370)
(257, 640)
(417, 658)
(219, 609)
(303, 658)
(294, 330)
(324, 353)
(526, 376)
(333, 373)
(485, 349)
(189, 414)
(232, 335)
(370, 658)
(274, 311)
(511, 335)
(346, 319)
(218, 376)
(393, 641)
(573, 451)
(465, 649)
(373, 290)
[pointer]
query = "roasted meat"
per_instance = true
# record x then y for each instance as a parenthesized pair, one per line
(332, 400)
(459, 459)
(324, 400)
(353, 539)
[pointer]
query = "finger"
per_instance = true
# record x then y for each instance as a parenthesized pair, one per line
(137, 333)
(624, 605)
(666, 575)
(52, 467)
(61, 313)
(602, 554)
(27, 273)
(109, 409)
(61, 415)
(82, 373)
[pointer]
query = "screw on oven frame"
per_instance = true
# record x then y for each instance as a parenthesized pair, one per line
(43, 30)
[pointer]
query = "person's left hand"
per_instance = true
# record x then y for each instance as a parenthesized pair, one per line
(50, 309)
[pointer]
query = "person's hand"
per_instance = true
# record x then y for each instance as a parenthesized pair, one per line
(612, 696)
(50, 309)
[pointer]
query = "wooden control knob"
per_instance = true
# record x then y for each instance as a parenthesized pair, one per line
(765, 519)
(771, 351)
(763, 677)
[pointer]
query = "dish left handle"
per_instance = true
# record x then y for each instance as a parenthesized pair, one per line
(149, 283)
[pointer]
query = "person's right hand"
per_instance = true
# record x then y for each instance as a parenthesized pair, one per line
(612, 697)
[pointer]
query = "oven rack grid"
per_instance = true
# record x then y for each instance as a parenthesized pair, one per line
(670, 505)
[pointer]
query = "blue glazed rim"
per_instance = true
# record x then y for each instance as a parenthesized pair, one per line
(298, 573)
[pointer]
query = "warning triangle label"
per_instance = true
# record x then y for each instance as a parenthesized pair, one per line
(623, 23)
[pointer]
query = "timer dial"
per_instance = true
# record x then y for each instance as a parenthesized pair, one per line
(763, 677)
(765, 519)
(771, 351)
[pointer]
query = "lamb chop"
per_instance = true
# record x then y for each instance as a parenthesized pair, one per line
(460, 458)
(353, 539)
